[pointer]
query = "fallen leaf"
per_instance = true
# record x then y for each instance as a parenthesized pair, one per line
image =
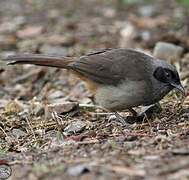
(148, 22)
(81, 137)
(128, 171)
(29, 32)
(186, 101)
(59, 108)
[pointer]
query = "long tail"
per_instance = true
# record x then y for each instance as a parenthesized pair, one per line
(40, 60)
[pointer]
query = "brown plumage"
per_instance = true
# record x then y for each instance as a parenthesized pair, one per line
(119, 78)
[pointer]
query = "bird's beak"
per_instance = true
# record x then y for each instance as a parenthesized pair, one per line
(178, 86)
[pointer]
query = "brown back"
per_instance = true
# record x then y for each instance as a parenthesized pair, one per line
(113, 66)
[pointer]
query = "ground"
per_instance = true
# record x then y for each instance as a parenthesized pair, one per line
(94, 145)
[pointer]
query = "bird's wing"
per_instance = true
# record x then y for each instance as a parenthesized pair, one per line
(113, 66)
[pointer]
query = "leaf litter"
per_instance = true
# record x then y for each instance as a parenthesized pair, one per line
(49, 126)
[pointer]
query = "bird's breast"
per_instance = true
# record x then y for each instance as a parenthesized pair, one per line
(123, 96)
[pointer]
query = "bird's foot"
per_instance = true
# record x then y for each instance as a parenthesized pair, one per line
(150, 110)
(121, 119)
(145, 114)
(134, 113)
(138, 117)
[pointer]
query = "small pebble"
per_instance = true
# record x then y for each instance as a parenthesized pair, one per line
(167, 51)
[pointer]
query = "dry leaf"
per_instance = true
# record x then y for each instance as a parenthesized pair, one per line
(127, 171)
(30, 32)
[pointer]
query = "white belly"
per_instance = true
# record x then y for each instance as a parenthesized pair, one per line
(126, 95)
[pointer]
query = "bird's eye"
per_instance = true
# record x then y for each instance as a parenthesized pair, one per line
(168, 74)
(164, 75)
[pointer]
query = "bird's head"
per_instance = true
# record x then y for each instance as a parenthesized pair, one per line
(169, 76)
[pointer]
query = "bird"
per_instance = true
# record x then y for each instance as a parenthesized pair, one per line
(120, 78)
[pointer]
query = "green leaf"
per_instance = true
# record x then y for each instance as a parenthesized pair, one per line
(184, 2)
(58, 135)
(138, 159)
(4, 150)
(129, 2)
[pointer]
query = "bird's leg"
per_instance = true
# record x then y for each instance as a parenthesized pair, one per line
(134, 113)
(128, 119)
(120, 118)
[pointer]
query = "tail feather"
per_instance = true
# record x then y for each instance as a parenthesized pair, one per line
(40, 60)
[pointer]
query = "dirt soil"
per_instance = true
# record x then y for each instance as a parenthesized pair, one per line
(50, 128)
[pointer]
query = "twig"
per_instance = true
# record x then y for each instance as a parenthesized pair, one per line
(20, 162)
(3, 131)
(137, 134)
(31, 128)
(94, 141)
(102, 114)
(172, 167)
(54, 116)
(92, 106)
(134, 133)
